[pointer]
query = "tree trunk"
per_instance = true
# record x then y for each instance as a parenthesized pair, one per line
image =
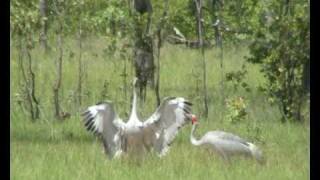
(124, 74)
(57, 84)
(43, 7)
(31, 86)
(144, 66)
(222, 68)
(143, 49)
(159, 44)
(157, 86)
(26, 82)
(149, 22)
(306, 76)
(204, 66)
(217, 8)
(59, 114)
(80, 68)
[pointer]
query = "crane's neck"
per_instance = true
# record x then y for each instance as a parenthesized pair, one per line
(133, 116)
(193, 140)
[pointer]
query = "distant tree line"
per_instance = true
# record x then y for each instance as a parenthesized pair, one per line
(277, 34)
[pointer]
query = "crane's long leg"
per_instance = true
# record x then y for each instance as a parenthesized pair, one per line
(223, 154)
(105, 145)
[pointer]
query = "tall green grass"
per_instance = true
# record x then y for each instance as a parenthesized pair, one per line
(49, 149)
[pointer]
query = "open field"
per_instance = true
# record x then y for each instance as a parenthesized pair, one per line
(47, 149)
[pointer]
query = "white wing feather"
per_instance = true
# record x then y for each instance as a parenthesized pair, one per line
(169, 117)
(104, 121)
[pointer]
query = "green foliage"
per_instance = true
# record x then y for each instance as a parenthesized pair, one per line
(23, 18)
(237, 78)
(111, 18)
(236, 109)
(181, 17)
(114, 17)
(280, 39)
(282, 47)
(237, 19)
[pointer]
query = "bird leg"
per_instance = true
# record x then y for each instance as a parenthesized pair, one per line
(224, 155)
(124, 143)
(105, 145)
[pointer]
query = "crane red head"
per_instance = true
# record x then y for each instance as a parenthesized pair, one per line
(193, 119)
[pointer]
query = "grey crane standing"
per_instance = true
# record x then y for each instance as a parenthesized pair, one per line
(225, 144)
(157, 132)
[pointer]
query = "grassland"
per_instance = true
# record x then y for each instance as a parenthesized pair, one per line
(48, 149)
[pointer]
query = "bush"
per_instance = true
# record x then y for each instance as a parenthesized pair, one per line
(282, 48)
(236, 109)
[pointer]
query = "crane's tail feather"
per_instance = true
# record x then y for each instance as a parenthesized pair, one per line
(256, 153)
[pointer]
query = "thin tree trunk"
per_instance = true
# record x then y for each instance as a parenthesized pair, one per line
(306, 76)
(149, 22)
(221, 66)
(217, 8)
(32, 87)
(159, 44)
(200, 39)
(57, 84)
(218, 40)
(80, 68)
(287, 7)
(59, 114)
(157, 86)
(43, 6)
(124, 75)
(25, 79)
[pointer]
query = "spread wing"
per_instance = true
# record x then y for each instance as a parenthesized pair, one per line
(166, 121)
(102, 120)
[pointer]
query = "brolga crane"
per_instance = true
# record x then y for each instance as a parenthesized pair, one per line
(157, 132)
(225, 144)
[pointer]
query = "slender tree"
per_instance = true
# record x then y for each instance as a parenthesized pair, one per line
(43, 8)
(159, 44)
(27, 88)
(217, 26)
(32, 83)
(57, 84)
(80, 63)
(23, 25)
(198, 4)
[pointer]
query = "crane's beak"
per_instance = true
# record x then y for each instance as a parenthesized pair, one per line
(194, 119)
